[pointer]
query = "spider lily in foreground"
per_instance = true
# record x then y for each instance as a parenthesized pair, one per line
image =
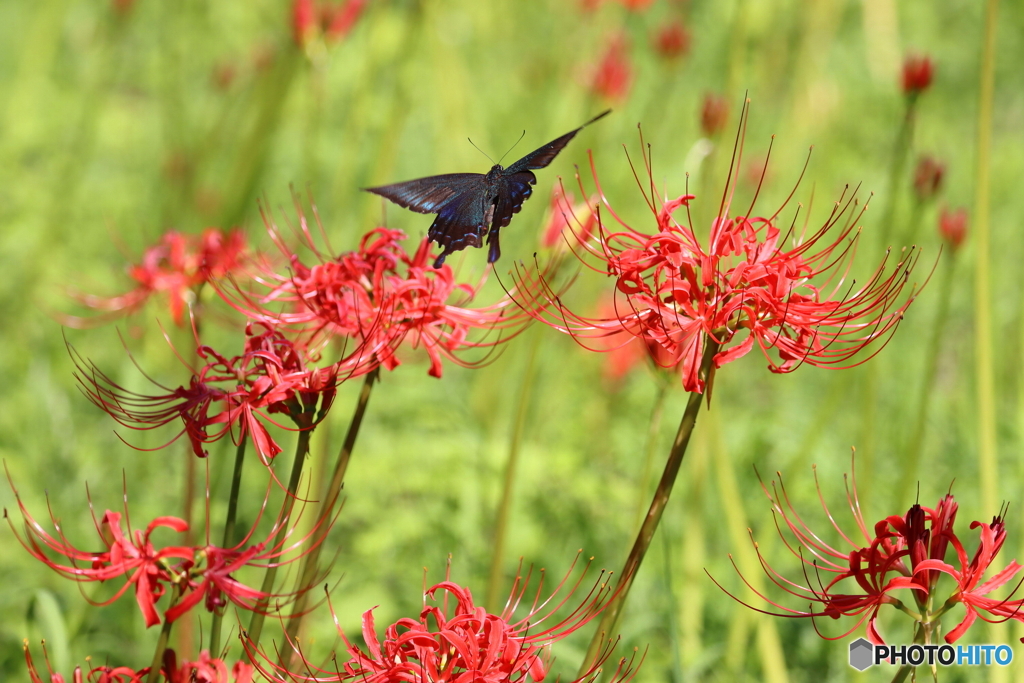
(379, 295)
(193, 574)
(899, 562)
(757, 282)
(457, 641)
(206, 669)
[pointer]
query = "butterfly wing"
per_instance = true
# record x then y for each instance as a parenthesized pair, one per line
(541, 157)
(512, 192)
(462, 222)
(430, 194)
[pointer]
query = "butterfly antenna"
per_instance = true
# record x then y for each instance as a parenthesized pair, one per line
(480, 150)
(512, 147)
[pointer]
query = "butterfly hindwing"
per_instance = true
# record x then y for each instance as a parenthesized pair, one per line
(461, 223)
(430, 194)
(513, 190)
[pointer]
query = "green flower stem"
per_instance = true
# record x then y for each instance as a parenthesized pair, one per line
(309, 566)
(653, 427)
(986, 400)
(912, 454)
(229, 535)
(301, 448)
(161, 645)
(505, 505)
(613, 610)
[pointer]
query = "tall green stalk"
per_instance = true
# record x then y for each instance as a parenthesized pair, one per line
(229, 534)
(259, 612)
(505, 504)
(613, 610)
(987, 448)
(912, 454)
(331, 495)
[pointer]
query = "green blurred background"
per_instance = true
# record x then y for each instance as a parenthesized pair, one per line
(118, 122)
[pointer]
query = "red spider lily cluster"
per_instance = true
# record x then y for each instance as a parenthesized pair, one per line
(756, 283)
(229, 395)
(176, 266)
(206, 669)
(459, 641)
(380, 296)
(194, 574)
(672, 40)
(899, 557)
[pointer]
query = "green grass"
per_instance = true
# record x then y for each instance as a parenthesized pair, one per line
(112, 131)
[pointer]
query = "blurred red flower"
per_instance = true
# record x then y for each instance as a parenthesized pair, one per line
(953, 227)
(177, 266)
(333, 22)
(614, 73)
(928, 177)
(918, 71)
(672, 40)
(714, 114)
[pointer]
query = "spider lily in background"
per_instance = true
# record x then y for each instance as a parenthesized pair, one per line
(455, 640)
(899, 559)
(178, 266)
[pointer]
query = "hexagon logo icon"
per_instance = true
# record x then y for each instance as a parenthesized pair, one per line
(862, 654)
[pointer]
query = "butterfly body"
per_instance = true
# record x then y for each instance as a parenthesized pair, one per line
(473, 206)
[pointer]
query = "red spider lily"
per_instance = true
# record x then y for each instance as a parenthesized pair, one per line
(206, 669)
(196, 573)
(379, 295)
(971, 592)
(178, 265)
(333, 22)
(463, 643)
(903, 552)
(917, 74)
(714, 114)
(563, 214)
(928, 177)
(854, 583)
(614, 73)
(783, 288)
(672, 40)
(953, 227)
(233, 395)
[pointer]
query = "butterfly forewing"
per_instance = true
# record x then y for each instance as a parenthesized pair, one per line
(541, 157)
(431, 194)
